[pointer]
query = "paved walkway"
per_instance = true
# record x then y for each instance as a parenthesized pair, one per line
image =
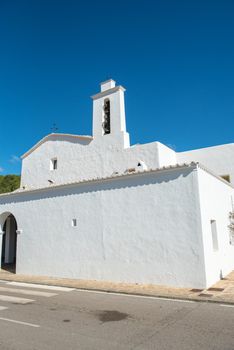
(222, 291)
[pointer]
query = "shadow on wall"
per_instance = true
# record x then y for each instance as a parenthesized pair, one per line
(96, 186)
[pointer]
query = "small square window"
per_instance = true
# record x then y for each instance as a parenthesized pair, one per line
(54, 164)
(74, 222)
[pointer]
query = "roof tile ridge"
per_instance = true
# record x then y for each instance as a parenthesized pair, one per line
(98, 179)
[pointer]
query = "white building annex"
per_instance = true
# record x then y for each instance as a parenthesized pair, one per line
(96, 208)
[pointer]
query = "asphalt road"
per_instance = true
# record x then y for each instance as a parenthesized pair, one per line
(46, 319)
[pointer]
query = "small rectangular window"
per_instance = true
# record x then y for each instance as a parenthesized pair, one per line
(54, 164)
(74, 222)
(214, 235)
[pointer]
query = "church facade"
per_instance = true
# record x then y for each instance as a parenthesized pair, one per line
(97, 208)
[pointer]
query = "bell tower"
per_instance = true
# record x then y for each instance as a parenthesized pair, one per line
(109, 123)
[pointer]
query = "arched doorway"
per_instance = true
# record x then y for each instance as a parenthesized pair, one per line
(9, 244)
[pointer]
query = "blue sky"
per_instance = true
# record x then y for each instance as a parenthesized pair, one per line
(175, 58)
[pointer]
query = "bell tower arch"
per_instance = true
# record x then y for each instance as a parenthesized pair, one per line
(109, 115)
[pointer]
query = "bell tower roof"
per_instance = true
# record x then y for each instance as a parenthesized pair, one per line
(108, 84)
(108, 87)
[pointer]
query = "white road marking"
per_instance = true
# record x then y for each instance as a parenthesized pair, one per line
(136, 296)
(20, 322)
(2, 281)
(15, 300)
(226, 305)
(177, 300)
(41, 286)
(3, 308)
(27, 292)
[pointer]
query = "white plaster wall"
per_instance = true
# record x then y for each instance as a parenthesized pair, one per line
(143, 228)
(215, 204)
(219, 159)
(166, 155)
(85, 159)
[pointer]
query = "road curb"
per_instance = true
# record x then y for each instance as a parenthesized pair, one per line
(64, 283)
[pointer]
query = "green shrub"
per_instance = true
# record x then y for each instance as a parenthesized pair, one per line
(9, 183)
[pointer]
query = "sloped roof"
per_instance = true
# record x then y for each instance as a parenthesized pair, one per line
(114, 176)
(192, 165)
(56, 135)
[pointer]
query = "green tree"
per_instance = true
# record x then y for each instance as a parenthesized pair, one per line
(9, 183)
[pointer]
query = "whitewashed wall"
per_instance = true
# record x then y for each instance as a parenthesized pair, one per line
(219, 159)
(86, 159)
(216, 203)
(143, 228)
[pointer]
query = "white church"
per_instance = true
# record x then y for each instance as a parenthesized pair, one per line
(97, 208)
